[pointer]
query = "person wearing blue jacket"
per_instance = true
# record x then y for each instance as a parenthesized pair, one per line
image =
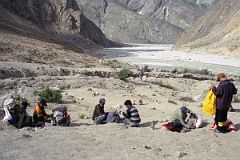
(224, 93)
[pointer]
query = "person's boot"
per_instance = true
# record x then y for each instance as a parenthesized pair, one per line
(222, 129)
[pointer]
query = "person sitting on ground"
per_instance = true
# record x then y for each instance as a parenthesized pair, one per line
(39, 115)
(24, 118)
(24, 105)
(178, 120)
(99, 116)
(224, 93)
(132, 115)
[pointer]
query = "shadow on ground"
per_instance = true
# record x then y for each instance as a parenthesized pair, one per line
(149, 124)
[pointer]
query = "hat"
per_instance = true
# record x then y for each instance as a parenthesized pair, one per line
(220, 75)
(43, 102)
(184, 109)
(102, 100)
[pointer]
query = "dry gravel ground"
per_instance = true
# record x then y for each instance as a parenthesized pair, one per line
(83, 140)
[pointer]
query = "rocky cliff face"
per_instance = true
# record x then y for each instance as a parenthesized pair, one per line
(181, 13)
(123, 25)
(217, 32)
(144, 21)
(61, 18)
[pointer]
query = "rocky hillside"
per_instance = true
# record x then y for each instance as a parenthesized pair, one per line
(144, 21)
(181, 13)
(60, 21)
(216, 32)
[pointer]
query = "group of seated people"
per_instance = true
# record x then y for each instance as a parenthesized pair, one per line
(130, 116)
(16, 114)
(182, 119)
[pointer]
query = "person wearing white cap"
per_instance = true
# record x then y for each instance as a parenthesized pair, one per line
(99, 115)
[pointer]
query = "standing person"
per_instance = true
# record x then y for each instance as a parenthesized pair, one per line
(140, 72)
(224, 93)
(39, 115)
(132, 115)
(99, 116)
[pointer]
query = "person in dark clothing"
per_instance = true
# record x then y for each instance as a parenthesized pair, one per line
(99, 116)
(24, 105)
(132, 115)
(24, 118)
(224, 93)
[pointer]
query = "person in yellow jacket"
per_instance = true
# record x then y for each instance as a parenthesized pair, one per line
(39, 115)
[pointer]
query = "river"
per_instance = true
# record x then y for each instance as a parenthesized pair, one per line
(163, 56)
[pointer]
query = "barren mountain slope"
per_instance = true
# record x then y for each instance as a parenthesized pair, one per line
(123, 25)
(62, 22)
(216, 32)
(181, 13)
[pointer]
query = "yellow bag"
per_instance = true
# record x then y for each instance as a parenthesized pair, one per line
(209, 104)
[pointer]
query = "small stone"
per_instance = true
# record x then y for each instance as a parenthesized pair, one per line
(181, 154)
(140, 102)
(172, 101)
(89, 89)
(154, 94)
(147, 147)
(81, 98)
(85, 117)
(26, 136)
(96, 94)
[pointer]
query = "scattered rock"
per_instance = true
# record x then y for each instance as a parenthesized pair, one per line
(69, 99)
(153, 94)
(236, 98)
(174, 93)
(187, 99)
(172, 101)
(81, 98)
(147, 147)
(26, 136)
(95, 94)
(129, 91)
(157, 102)
(89, 89)
(181, 154)
(140, 102)
(134, 102)
(28, 92)
(85, 117)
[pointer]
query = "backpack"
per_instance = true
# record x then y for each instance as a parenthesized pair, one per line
(113, 118)
(61, 117)
(8, 106)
